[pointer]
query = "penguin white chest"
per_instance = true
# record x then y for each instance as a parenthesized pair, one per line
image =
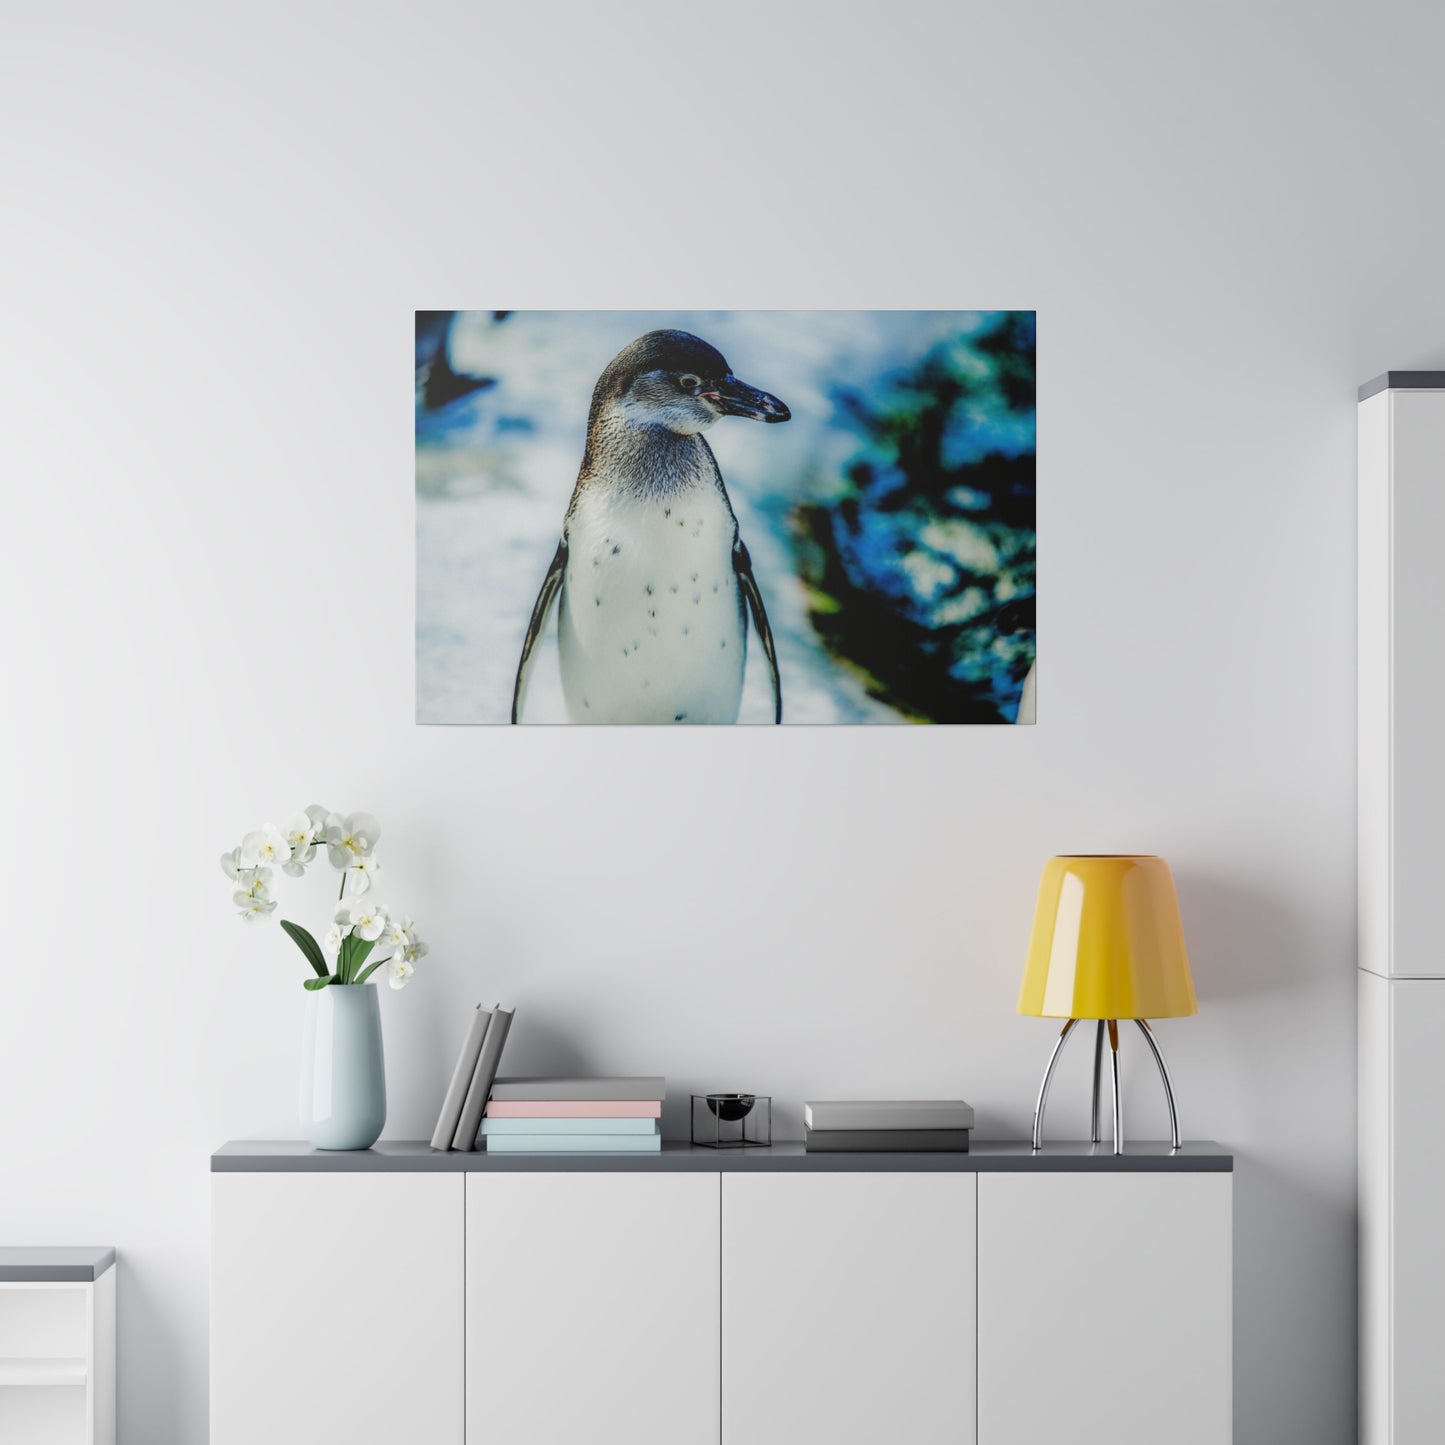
(651, 627)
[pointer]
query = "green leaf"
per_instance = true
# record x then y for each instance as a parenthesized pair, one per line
(371, 969)
(314, 983)
(358, 956)
(308, 946)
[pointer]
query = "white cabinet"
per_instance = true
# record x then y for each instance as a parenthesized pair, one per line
(848, 1308)
(403, 1297)
(336, 1308)
(57, 1360)
(1402, 679)
(1401, 945)
(1104, 1308)
(592, 1309)
(1402, 1187)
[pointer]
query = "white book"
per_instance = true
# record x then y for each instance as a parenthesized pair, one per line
(889, 1114)
(451, 1112)
(486, 1070)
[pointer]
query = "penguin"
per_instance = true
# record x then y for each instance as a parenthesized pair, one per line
(654, 581)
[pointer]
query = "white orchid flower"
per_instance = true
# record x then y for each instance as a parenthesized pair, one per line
(231, 865)
(350, 838)
(412, 950)
(253, 882)
(398, 971)
(368, 920)
(299, 830)
(340, 929)
(363, 875)
(398, 933)
(295, 867)
(255, 908)
(267, 845)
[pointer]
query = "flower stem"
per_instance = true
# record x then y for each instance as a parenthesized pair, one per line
(341, 953)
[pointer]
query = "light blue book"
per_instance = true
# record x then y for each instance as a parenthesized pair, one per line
(494, 1127)
(574, 1144)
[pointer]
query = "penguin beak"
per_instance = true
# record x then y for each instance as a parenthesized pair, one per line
(737, 398)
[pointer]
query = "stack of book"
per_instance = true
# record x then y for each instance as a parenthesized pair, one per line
(461, 1114)
(913, 1126)
(575, 1116)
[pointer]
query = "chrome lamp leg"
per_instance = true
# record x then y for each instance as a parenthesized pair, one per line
(1164, 1075)
(1094, 1135)
(1118, 1097)
(1063, 1038)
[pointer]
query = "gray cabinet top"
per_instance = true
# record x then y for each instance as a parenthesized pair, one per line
(49, 1264)
(417, 1157)
(1404, 381)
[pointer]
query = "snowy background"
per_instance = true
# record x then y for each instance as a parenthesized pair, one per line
(879, 532)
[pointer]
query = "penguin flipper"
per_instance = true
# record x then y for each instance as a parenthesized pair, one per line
(551, 585)
(743, 566)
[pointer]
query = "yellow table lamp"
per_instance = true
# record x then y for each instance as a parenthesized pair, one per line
(1107, 944)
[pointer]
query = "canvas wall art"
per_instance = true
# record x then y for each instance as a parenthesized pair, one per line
(719, 517)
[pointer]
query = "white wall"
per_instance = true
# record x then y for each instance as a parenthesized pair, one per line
(214, 234)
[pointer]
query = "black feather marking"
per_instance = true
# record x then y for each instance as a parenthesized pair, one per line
(743, 566)
(551, 585)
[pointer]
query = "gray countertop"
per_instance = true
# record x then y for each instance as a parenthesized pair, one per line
(48, 1264)
(282, 1156)
(1403, 381)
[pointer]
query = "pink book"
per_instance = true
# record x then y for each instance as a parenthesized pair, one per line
(575, 1109)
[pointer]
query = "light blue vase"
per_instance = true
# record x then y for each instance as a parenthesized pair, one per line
(343, 1078)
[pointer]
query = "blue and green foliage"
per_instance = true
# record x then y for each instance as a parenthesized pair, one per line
(921, 566)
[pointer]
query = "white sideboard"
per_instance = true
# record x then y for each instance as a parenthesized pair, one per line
(700, 1297)
(57, 1346)
(1401, 863)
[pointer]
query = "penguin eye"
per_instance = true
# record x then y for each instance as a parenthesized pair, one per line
(689, 382)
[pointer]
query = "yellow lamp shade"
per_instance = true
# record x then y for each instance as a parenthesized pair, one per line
(1107, 942)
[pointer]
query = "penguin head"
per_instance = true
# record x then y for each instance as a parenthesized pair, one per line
(676, 380)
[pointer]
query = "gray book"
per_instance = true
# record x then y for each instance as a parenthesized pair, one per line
(889, 1114)
(451, 1113)
(482, 1077)
(886, 1141)
(516, 1091)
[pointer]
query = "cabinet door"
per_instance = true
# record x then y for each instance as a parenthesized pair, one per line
(1416, 1154)
(592, 1309)
(1401, 682)
(1104, 1309)
(1417, 602)
(848, 1308)
(336, 1309)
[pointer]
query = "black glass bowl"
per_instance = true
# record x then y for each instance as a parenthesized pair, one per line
(731, 1107)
